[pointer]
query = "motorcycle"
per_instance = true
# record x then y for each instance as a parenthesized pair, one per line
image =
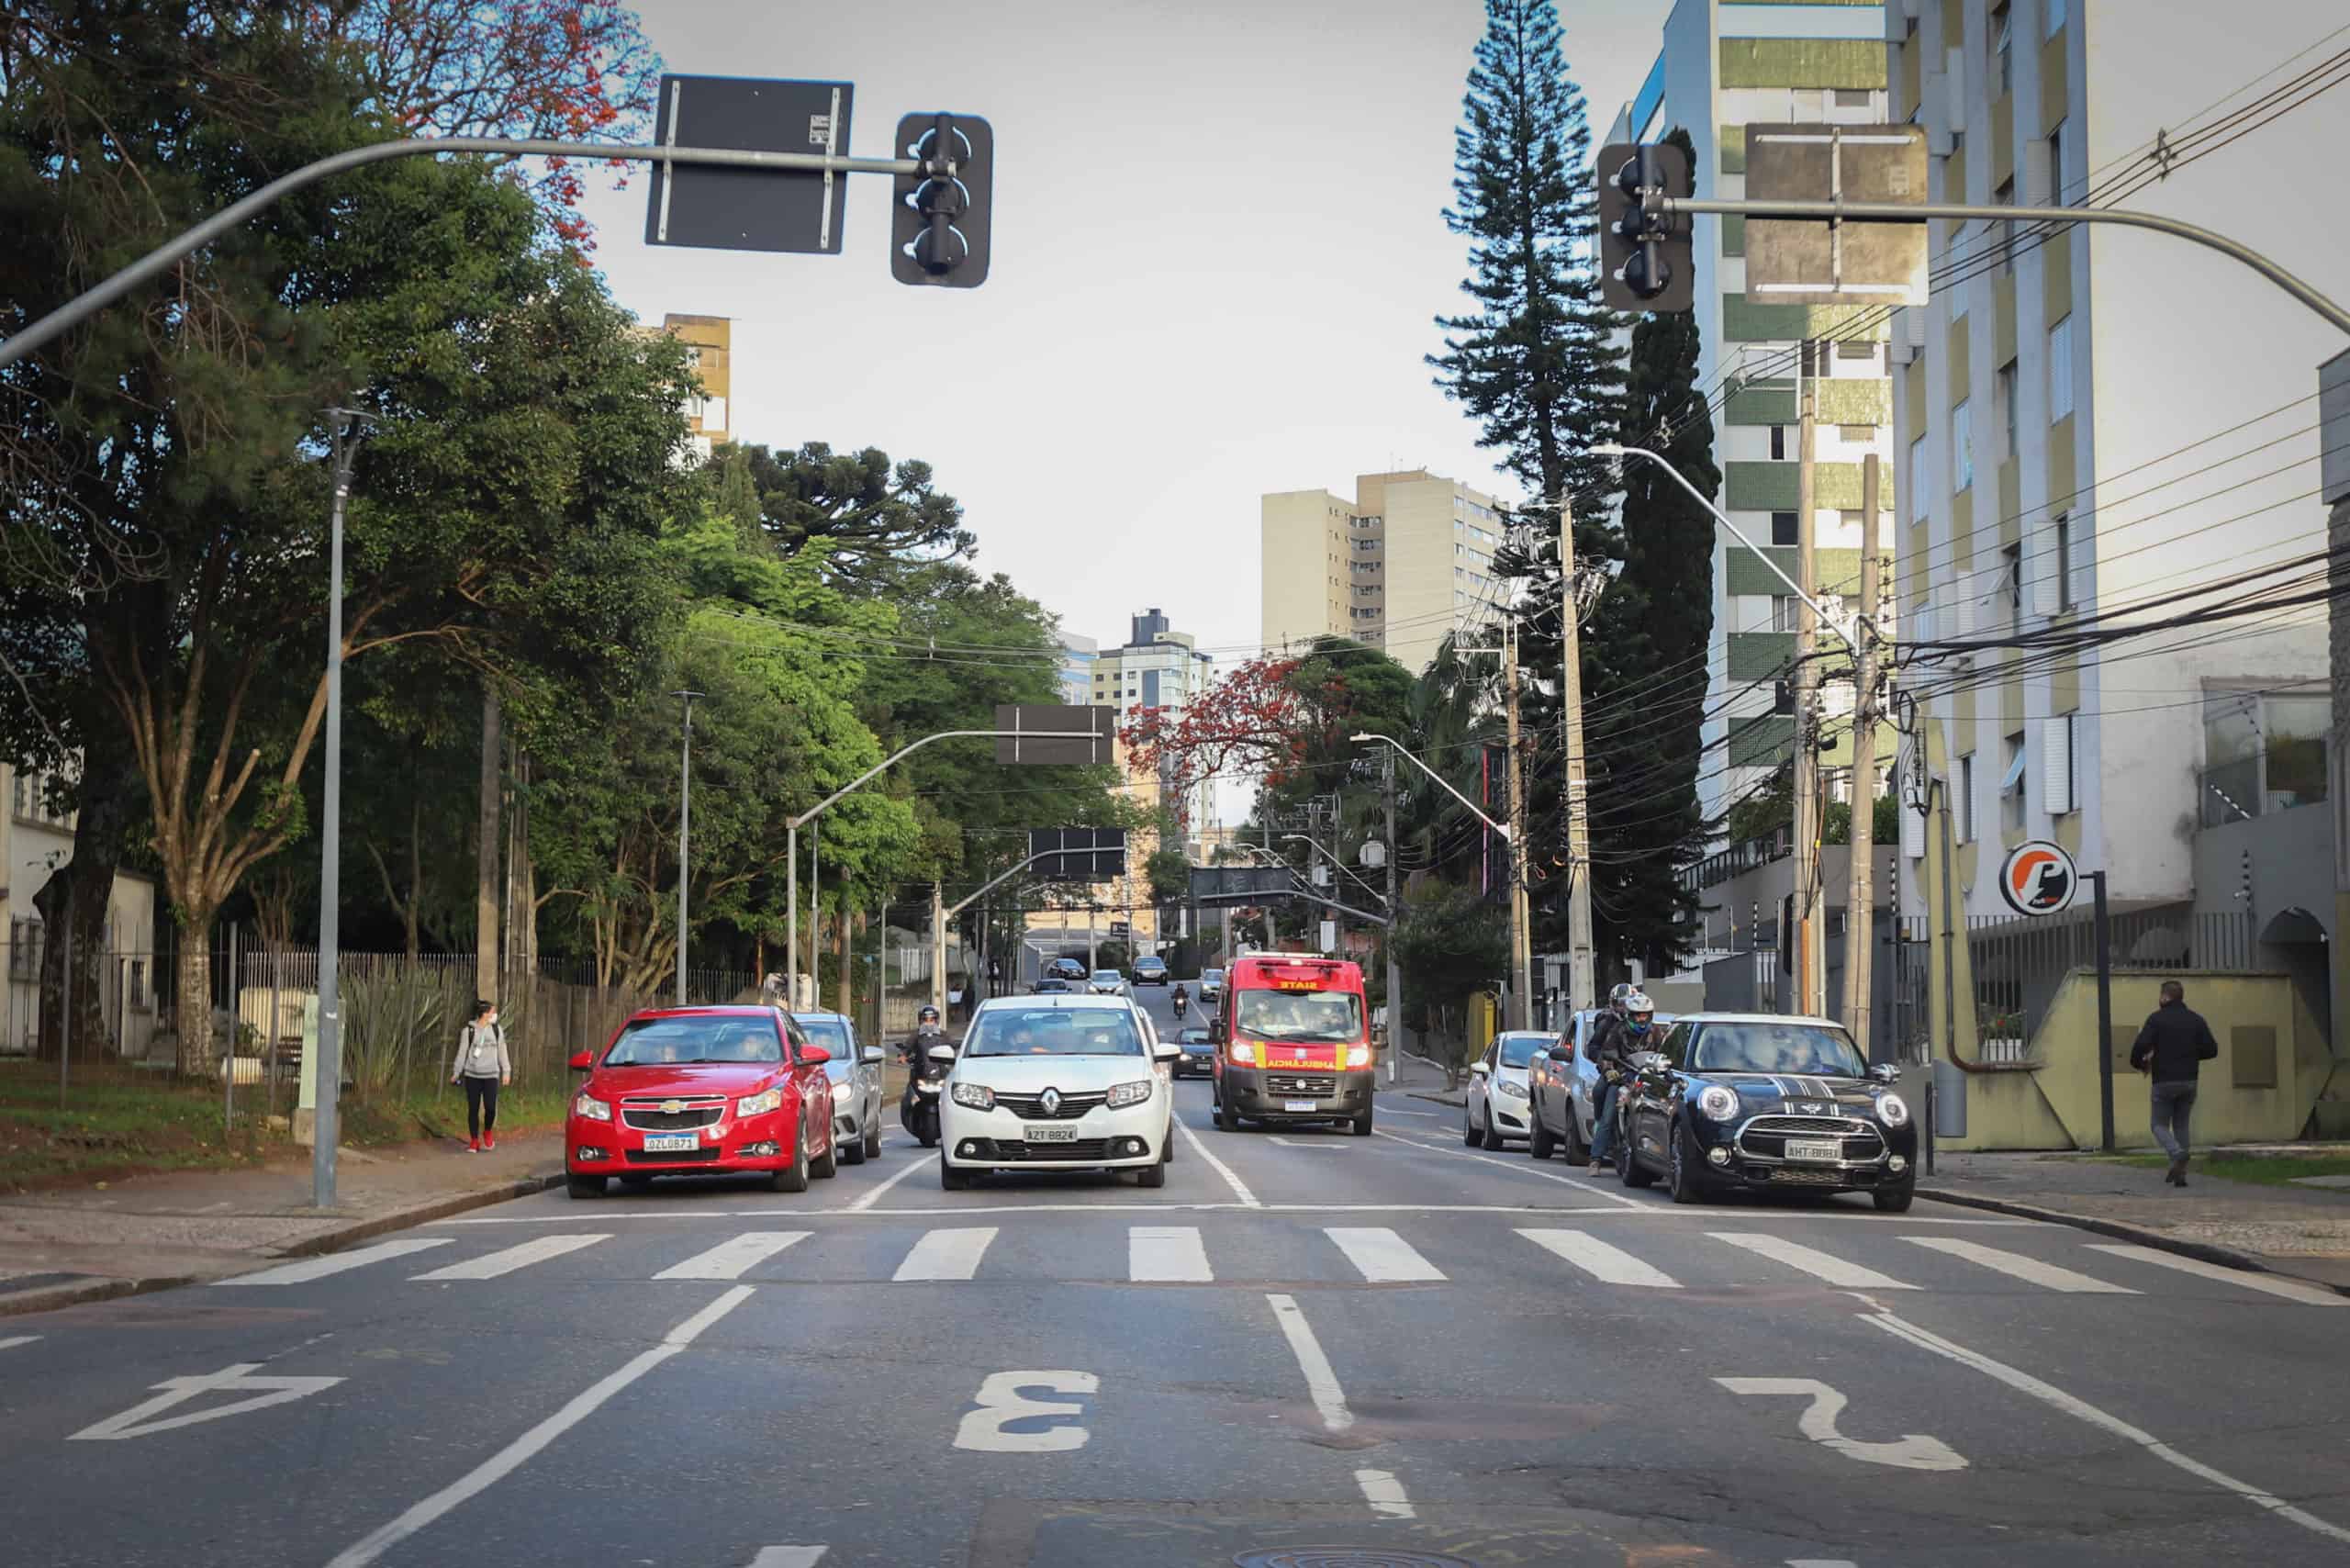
(1180, 1005)
(931, 1057)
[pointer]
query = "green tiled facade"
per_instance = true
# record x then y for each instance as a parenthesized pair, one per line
(1771, 486)
(1747, 571)
(1744, 322)
(1762, 403)
(1764, 741)
(1758, 655)
(1803, 62)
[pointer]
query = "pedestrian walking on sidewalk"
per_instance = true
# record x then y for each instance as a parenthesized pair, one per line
(482, 1066)
(2171, 1050)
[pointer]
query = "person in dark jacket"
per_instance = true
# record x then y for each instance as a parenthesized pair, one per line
(2171, 1050)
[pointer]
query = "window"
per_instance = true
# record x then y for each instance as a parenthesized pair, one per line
(2060, 370)
(2011, 783)
(2003, 54)
(1858, 349)
(2011, 572)
(2055, 16)
(1918, 480)
(1965, 804)
(1962, 445)
(1778, 443)
(1816, 358)
(2063, 564)
(1786, 610)
(1854, 97)
(2007, 396)
(2056, 164)
(2006, 197)
(2263, 752)
(1783, 528)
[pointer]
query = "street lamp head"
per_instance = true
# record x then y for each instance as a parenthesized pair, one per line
(1362, 739)
(1610, 449)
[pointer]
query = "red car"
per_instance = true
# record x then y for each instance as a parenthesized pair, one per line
(698, 1090)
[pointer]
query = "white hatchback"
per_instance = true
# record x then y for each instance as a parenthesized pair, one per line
(1066, 1083)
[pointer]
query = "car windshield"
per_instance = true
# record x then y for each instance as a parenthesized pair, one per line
(829, 1033)
(1299, 1014)
(1195, 1037)
(1778, 1047)
(1519, 1050)
(710, 1037)
(1211, 977)
(1107, 976)
(1053, 1032)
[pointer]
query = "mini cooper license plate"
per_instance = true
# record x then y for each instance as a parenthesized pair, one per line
(1035, 1133)
(1827, 1151)
(677, 1143)
(1297, 1105)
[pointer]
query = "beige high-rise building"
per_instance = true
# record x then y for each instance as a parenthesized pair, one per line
(1407, 561)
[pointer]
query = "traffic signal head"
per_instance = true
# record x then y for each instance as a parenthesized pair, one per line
(1646, 262)
(941, 216)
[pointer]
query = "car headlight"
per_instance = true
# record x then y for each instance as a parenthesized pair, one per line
(843, 1090)
(1133, 1093)
(978, 1096)
(1717, 1102)
(758, 1104)
(1512, 1087)
(1357, 1055)
(1892, 1110)
(1245, 1052)
(594, 1110)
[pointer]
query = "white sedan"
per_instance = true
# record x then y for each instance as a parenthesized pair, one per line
(1066, 1083)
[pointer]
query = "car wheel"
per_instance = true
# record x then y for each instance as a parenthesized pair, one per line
(827, 1165)
(950, 1179)
(795, 1180)
(1167, 1151)
(1578, 1152)
(585, 1186)
(873, 1139)
(1153, 1175)
(1627, 1164)
(1688, 1178)
(1362, 1124)
(1492, 1139)
(1468, 1128)
(1893, 1200)
(1215, 1114)
(853, 1152)
(1538, 1135)
(930, 1140)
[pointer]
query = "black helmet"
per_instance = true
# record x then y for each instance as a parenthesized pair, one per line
(928, 1015)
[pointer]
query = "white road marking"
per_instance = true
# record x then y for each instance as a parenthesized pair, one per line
(1306, 1142)
(1817, 1264)
(1329, 1399)
(1167, 1252)
(336, 1262)
(1239, 1188)
(999, 1403)
(512, 1258)
(1399, 1111)
(1845, 1218)
(514, 1455)
(1381, 1256)
(873, 1197)
(1602, 1261)
(2031, 1270)
(730, 1259)
(260, 1394)
(1914, 1452)
(788, 1557)
(1385, 1495)
(1821, 1562)
(14, 1340)
(946, 1254)
(1526, 1167)
(2291, 1290)
(2048, 1394)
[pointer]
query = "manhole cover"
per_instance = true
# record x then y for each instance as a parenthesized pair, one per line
(1346, 1557)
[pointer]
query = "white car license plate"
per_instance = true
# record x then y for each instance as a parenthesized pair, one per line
(1827, 1152)
(1035, 1133)
(1297, 1105)
(675, 1143)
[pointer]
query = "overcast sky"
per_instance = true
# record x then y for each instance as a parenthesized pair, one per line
(1218, 248)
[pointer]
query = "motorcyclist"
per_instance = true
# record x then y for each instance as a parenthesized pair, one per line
(1609, 1051)
(1182, 999)
(927, 1033)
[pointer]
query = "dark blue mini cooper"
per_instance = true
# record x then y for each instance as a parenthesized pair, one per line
(1759, 1101)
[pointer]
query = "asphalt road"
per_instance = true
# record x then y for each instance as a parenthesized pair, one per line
(1394, 1344)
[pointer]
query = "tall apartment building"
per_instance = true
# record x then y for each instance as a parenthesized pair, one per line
(2091, 418)
(1724, 65)
(1407, 561)
(709, 349)
(1077, 654)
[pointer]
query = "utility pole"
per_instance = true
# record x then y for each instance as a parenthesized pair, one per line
(685, 834)
(1583, 970)
(815, 917)
(1859, 918)
(1395, 913)
(1521, 939)
(493, 745)
(938, 950)
(1809, 971)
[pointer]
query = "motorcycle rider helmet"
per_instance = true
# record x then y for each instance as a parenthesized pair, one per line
(1638, 1011)
(928, 1015)
(1615, 996)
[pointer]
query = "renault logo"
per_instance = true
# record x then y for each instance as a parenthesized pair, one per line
(1050, 1099)
(671, 1107)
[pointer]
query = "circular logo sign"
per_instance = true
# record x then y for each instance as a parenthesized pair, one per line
(2037, 878)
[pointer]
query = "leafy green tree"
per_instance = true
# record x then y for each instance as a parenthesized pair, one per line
(1449, 944)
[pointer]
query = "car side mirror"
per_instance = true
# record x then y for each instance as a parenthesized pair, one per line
(873, 1056)
(1885, 1072)
(1217, 1033)
(1166, 1052)
(1481, 1068)
(583, 1061)
(814, 1056)
(1562, 1053)
(940, 1053)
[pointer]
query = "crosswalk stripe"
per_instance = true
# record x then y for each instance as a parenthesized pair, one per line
(732, 1259)
(1381, 1256)
(2031, 1270)
(2291, 1290)
(492, 1265)
(1820, 1265)
(336, 1262)
(13, 1340)
(1167, 1252)
(1600, 1260)
(948, 1254)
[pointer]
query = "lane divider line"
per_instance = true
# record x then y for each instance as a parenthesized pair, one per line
(1329, 1399)
(514, 1455)
(14, 1340)
(1200, 1147)
(868, 1200)
(1381, 1257)
(1385, 1495)
(1523, 1168)
(1748, 1216)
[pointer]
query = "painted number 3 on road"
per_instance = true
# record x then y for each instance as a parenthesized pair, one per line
(1000, 1402)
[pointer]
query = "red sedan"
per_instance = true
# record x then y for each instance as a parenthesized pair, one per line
(699, 1090)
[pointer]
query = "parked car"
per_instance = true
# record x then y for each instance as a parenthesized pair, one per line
(1150, 970)
(1057, 1083)
(1198, 1059)
(1106, 982)
(1563, 1089)
(855, 1072)
(1757, 1100)
(698, 1091)
(1494, 1106)
(1210, 985)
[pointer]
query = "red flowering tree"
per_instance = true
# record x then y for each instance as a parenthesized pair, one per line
(1253, 721)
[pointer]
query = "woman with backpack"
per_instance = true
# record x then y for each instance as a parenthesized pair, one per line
(482, 1066)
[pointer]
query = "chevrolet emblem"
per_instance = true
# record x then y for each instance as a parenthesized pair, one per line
(671, 1107)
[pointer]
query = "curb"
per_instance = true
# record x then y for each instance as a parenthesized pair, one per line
(2226, 1257)
(50, 1298)
(1438, 1099)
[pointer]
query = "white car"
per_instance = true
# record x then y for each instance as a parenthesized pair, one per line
(1495, 1108)
(1107, 983)
(1070, 1082)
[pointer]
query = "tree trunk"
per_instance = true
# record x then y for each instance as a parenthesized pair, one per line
(846, 1003)
(78, 895)
(486, 866)
(192, 991)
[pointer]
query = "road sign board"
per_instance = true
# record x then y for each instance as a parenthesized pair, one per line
(2038, 877)
(1091, 732)
(749, 209)
(1079, 853)
(1792, 261)
(1212, 884)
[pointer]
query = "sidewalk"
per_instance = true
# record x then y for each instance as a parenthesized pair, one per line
(150, 1232)
(1419, 1079)
(2301, 1231)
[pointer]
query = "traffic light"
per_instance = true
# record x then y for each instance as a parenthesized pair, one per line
(1646, 262)
(938, 226)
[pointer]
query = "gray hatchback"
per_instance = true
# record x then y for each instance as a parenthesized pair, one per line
(855, 1073)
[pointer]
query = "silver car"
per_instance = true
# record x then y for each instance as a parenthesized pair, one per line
(1107, 983)
(855, 1073)
(1496, 1106)
(1563, 1090)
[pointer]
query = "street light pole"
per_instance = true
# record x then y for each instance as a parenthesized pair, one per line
(327, 1071)
(684, 831)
